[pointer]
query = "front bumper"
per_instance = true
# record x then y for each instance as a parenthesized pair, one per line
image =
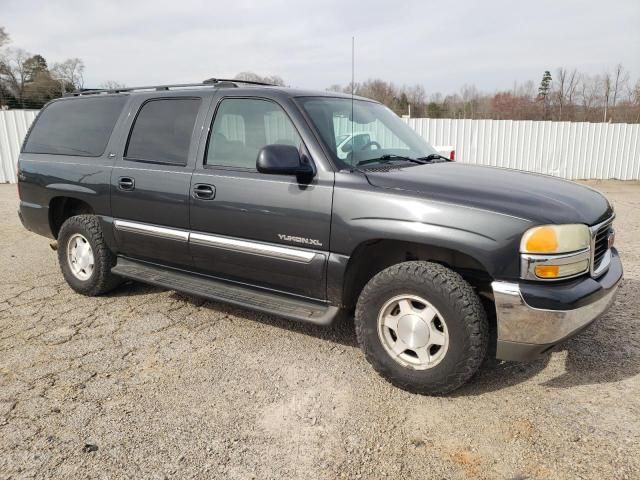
(533, 319)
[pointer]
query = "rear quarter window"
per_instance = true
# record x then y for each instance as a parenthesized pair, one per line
(79, 126)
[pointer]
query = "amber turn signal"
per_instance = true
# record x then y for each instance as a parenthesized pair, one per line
(548, 271)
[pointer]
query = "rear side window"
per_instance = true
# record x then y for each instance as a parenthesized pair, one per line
(162, 131)
(79, 126)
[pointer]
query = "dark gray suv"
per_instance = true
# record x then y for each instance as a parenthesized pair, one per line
(248, 194)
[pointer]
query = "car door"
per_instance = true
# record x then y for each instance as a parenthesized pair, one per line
(151, 179)
(266, 230)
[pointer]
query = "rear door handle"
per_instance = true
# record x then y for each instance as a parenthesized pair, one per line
(126, 183)
(203, 191)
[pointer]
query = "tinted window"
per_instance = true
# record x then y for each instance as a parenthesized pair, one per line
(242, 127)
(162, 131)
(80, 126)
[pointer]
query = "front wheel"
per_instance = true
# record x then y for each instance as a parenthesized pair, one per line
(85, 258)
(422, 327)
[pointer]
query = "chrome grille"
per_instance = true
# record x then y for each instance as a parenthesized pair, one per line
(600, 247)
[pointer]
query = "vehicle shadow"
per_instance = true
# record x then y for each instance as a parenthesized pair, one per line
(341, 331)
(496, 375)
(608, 351)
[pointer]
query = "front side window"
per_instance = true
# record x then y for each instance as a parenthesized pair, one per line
(242, 126)
(361, 131)
(162, 131)
(77, 126)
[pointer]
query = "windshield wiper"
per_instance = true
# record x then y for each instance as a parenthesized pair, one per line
(389, 158)
(434, 156)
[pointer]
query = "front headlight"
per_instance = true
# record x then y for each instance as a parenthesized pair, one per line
(549, 239)
(551, 252)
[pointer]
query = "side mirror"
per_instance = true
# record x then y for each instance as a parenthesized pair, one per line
(283, 160)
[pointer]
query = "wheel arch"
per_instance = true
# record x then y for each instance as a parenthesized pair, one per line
(62, 208)
(372, 256)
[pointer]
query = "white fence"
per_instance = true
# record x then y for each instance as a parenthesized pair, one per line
(564, 149)
(14, 125)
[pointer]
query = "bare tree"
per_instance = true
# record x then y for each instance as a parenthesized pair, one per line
(254, 77)
(69, 73)
(636, 100)
(336, 87)
(416, 94)
(564, 89)
(620, 83)
(14, 71)
(559, 89)
(112, 85)
(606, 94)
(572, 88)
(379, 90)
(4, 37)
(470, 96)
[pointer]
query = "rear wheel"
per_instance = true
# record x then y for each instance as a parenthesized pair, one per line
(85, 259)
(422, 327)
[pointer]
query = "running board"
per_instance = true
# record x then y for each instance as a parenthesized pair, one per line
(213, 289)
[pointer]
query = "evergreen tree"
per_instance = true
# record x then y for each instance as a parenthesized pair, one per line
(543, 93)
(545, 85)
(35, 66)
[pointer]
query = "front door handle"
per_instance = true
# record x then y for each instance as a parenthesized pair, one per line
(126, 183)
(203, 191)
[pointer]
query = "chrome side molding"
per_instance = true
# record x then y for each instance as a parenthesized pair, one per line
(253, 248)
(217, 241)
(153, 230)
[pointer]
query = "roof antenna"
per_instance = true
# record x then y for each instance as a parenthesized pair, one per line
(353, 75)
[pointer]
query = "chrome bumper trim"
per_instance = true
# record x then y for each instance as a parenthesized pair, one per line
(520, 323)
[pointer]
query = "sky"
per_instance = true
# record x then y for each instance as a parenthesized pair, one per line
(440, 45)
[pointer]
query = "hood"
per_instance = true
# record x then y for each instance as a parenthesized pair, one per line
(539, 198)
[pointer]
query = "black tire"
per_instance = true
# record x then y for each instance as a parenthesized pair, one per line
(460, 307)
(101, 279)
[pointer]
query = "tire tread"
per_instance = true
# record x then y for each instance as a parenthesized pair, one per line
(104, 259)
(456, 291)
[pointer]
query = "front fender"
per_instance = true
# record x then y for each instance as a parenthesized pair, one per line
(363, 214)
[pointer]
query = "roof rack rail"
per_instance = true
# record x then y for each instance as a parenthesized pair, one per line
(210, 82)
(247, 82)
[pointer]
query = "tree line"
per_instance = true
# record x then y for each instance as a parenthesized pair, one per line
(29, 81)
(566, 95)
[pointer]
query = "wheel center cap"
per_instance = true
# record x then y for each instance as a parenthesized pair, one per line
(83, 261)
(413, 331)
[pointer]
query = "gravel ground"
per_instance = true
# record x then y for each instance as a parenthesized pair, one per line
(148, 383)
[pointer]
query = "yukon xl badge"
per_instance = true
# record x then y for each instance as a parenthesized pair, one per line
(306, 241)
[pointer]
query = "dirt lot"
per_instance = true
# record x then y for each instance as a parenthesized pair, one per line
(147, 383)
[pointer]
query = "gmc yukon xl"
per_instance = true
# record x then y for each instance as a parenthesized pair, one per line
(261, 196)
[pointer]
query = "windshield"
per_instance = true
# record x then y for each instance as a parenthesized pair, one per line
(371, 132)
